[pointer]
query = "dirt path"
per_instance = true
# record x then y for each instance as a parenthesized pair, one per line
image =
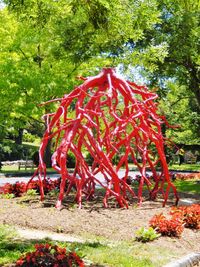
(27, 233)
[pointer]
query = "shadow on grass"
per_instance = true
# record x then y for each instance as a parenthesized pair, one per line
(12, 247)
(188, 186)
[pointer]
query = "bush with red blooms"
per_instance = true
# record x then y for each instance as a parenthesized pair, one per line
(167, 227)
(48, 185)
(19, 188)
(189, 214)
(187, 176)
(51, 256)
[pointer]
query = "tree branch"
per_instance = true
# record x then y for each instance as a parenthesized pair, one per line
(181, 98)
(23, 53)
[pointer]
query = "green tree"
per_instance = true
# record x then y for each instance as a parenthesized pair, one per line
(54, 40)
(47, 43)
(176, 36)
(177, 107)
(169, 54)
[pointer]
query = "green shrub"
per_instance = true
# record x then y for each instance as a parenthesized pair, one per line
(28, 137)
(7, 196)
(146, 235)
(71, 160)
(115, 159)
(31, 193)
(89, 159)
(54, 193)
(11, 151)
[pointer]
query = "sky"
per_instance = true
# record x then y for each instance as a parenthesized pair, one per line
(1, 4)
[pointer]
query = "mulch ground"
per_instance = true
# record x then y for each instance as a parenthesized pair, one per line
(93, 220)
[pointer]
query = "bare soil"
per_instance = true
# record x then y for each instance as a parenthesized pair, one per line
(94, 221)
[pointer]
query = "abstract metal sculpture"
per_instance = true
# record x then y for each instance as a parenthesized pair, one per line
(111, 117)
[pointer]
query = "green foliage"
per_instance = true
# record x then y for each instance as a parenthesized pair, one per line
(89, 159)
(7, 196)
(27, 196)
(168, 56)
(176, 105)
(115, 159)
(11, 151)
(31, 193)
(10, 248)
(28, 137)
(146, 235)
(4, 149)
(71, 160)
(54, 193)
(87, 35)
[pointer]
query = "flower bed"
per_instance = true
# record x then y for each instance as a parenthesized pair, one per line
(167, 227)
(185, 216)
(50, 255)
(189, 214)
(187, 176)
(19, 188)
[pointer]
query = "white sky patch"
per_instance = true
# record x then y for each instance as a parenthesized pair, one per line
(2, 5)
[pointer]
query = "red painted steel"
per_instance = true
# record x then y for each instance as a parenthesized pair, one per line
(112, 117)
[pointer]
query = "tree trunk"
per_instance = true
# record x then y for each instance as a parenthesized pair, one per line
(19, 137)
(196, 90)
(47, 155)
(194, 82)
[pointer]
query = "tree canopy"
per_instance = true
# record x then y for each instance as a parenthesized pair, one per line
(169, 57)
(46, 44)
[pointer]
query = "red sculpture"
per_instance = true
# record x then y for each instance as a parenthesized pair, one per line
(111, 117)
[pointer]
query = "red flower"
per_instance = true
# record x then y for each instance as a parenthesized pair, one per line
(189, 214)
(171, 227)
(49, 255)
(19, 262)
(61, 250)
(61, 256)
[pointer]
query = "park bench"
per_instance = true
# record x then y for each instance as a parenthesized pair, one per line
(191, 160)
(25, 164)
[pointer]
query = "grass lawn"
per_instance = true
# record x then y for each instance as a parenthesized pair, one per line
(185, 167)
(10, 247)
(14, 170)
(188, 186)
(118, 254)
